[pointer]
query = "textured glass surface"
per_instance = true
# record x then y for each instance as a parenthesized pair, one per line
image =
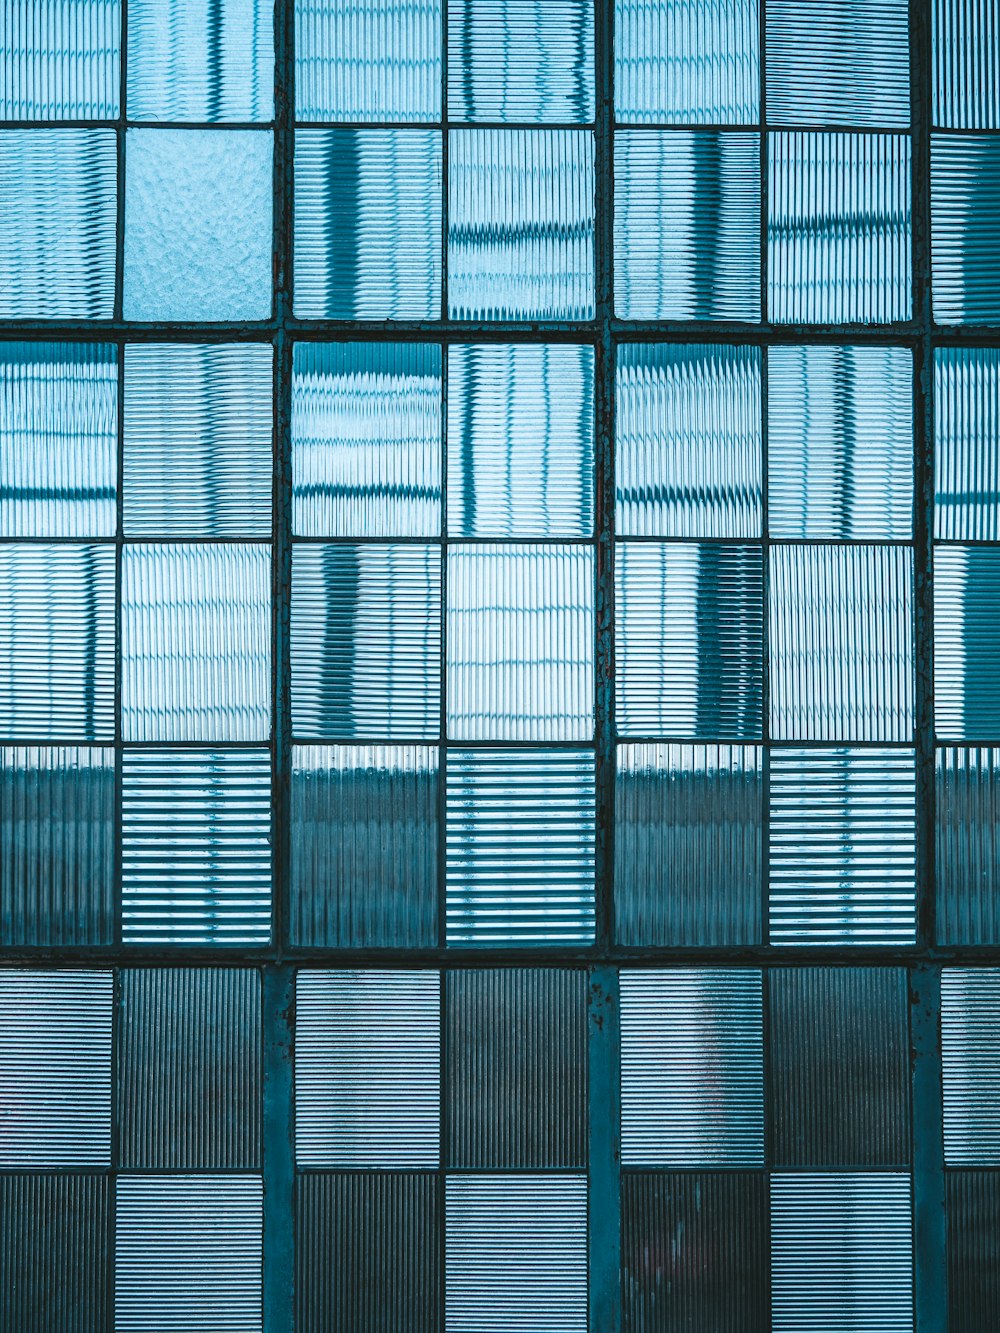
(688, 441)
(57, 642)
(842, 846)
(687, 62)
(520, 441)
(967, 443)
(368, 224)
(688, 640)
(366, 641)
(58, 439)
(196, 847)
(206, 60)
(840, 443)
(970, 1059)
(366, 440)
(973, 1259)
(198, 224)
(966, 64)
(967, 642)
(692, 1051)
(688, 825)
(838, 228)
(60, 59)
(367, 1069)
(520, 846)
(965, 228)
(196, 643)
(376, 61)
(520, 60)
(57, 224)
(687, 225)
(841, 643)
(197, 456)
(520, 643)
(842, 62)
(967, 845)
(521, 224)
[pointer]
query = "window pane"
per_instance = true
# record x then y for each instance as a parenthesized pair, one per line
(60, 59)
(967, 443)
(965, 228)
(967, 642)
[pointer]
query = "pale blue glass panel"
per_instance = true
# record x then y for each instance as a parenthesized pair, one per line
(196, 642)
(966, 37)
(965, 228)
(368, 224)
(198, 239)
(377, 61)
(58, 439)
(967, 844)
(57, 224)
(687, 225)
(688, 451)
(60, 59)
(521, 60)
(967, 443)
(366, 440)
(840, 442)
(687, 62)
(520, 441)
(838, 229)
(206, 60)
(521, 224)
(967, 642)
(842, 62)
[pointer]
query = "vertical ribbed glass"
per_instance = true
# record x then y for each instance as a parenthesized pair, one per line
(967, 845)
(967, 443)
(965, 228)
(967, 642)
(970, 1064)
(966, 36)
(60, 59)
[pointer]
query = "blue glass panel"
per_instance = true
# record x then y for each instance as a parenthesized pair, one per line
(60, 59)
(966, 842)
(965, 228)
(966, 64)
(970, 1056)
(967, 443)
(967, 642)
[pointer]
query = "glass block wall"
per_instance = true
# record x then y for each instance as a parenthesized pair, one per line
(499, 643)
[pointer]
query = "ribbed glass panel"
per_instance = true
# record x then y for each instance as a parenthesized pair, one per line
(196, 643)
(970, 1064)
(687, 225)
(367, 1069)
(197, 459)
(521, 224)
(694, 1252)
(973, 1209)
(366, 641)
(57, 223)
(520, 643)
(54, 1247)
(688, 844)
(368, 224)
(60, 59)
(966, 36)
(366, 440)
(57, 642)
(838, 230)
(196, 847)
(967, 443)
(520, 60)
(842, 840)
(189, 1068)
(844, 62)
(841, 643)
(687, 441)
(688, 640)
(55, 1069)
(520, 441)
(516, 1254)
(516, 1086)
(692, 1067)
(58, 439)
(57, 812)
(967, 642)
(380, 61)
(368, 1253)
(210, 60)
(841, 1253)
(687, 61)
(198, 242)
(840, 443)
(520, 847)
(965, 228)
(840, 1066)
(364, 846)
(188, 1253)
(966, 843)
